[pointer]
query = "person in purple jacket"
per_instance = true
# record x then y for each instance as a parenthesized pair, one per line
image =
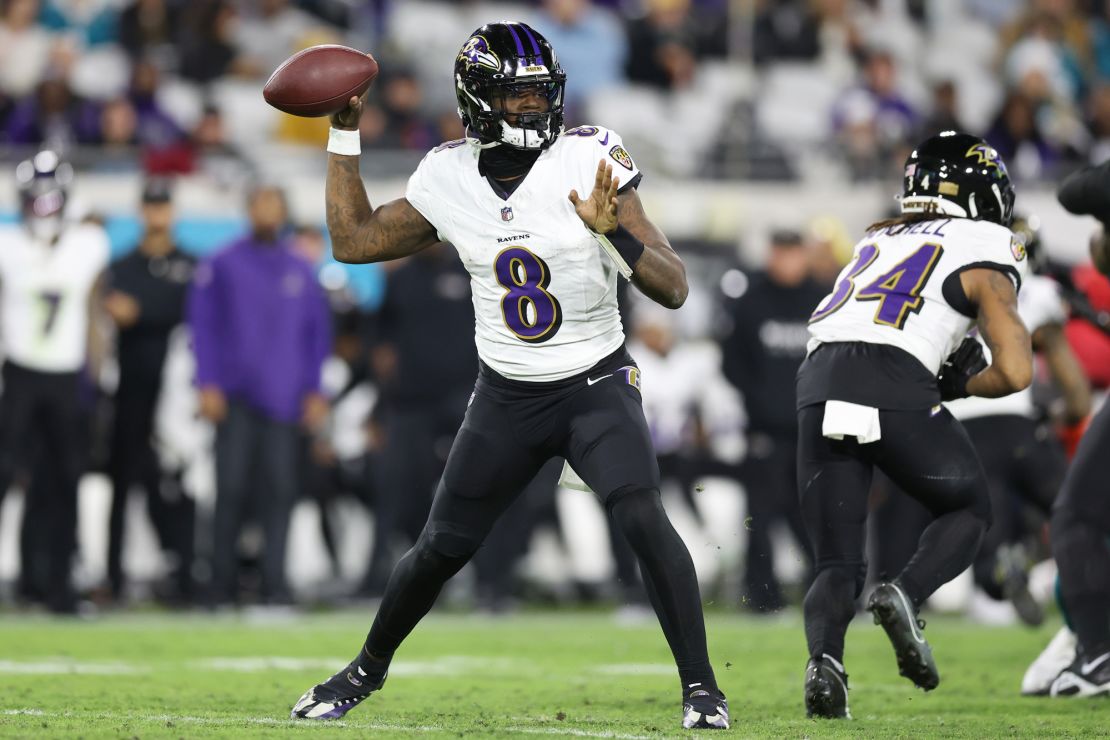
(261, 332)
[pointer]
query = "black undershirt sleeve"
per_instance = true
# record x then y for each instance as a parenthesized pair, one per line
(633, 183)
(953, 289)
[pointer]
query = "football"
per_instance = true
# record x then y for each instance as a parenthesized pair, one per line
(319, 80)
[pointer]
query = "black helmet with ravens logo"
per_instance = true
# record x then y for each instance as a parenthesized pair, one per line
(957, 174)
(504, 60)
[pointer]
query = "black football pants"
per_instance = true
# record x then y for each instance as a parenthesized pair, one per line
(40, 414)
(257, 471)
(928, 454)
(594, 420)
(1024, 468)
(1080, 528)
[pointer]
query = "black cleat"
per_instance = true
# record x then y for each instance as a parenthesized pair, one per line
(1013, 575)
(893, 610)
(335, 697)
(1084, 677)
(826, 689)
(704, 710)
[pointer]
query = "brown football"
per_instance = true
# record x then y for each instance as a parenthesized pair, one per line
(320, 80)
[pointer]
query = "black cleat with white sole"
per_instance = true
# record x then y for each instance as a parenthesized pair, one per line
(894, 612)
(826, 689)
(338, 695)
(704, 710)
(1086, 676)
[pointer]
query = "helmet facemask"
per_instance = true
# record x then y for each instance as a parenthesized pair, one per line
(489, 119)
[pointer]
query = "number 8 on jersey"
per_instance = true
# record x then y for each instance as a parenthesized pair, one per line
(531, 313)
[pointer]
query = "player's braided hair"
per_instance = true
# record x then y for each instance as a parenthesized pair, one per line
(907, 219)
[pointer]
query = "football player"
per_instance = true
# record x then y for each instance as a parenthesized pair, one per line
(527, 205)
(1024, 465)
(1081, 516)
(869, 395)
(50, 278)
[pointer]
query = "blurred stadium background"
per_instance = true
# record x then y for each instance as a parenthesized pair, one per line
(755, 122)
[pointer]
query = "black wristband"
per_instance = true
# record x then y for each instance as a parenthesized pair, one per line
(628, 247)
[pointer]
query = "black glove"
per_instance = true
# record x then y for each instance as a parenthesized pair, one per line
(961, 365)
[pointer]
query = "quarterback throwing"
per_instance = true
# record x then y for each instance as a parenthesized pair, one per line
(531, 209)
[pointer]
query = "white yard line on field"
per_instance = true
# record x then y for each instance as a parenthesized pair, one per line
(225, 721)
(261, 663)
(574, 733)
(446, 665)
(60, 666)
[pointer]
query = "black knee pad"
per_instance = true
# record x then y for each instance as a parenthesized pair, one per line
(634, 508)
(632, 499)
(449, 544)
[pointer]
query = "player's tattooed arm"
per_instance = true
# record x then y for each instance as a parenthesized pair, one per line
(359, 232)
(1051, 342)
(1011, 367)
(659, 273)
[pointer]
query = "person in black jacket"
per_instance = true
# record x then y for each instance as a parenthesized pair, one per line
(424, 361)
(147, 302)
(761, 357)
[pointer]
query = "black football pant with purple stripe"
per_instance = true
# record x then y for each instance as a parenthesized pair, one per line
(1080, 532)
(595, 420)
(929, 455)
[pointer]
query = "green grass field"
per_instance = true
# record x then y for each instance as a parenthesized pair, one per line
(570, 674)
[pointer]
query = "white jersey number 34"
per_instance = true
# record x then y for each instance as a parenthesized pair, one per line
(898, 290)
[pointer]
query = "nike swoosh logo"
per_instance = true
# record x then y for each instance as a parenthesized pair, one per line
(605, 141)
(1088, 667)
(591, 381)
(913, 622)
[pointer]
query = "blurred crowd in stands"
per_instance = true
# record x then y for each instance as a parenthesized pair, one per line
(702, 87)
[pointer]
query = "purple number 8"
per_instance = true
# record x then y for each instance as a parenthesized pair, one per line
(531, 313)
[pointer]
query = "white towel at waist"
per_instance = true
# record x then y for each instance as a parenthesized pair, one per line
(843, 419)
(571, 479)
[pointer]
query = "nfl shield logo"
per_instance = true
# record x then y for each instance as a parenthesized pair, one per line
(507, 213)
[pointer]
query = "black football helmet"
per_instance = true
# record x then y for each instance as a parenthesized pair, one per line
(501, 60)
(43, 182)
(960, 175)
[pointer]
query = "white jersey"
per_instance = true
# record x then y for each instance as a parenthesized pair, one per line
(1039, 304)
(44, 295)
(902, 288)
(683, 385)
(544, 292)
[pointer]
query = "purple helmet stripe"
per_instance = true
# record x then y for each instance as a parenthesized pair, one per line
(532, 38)
(516, 38)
